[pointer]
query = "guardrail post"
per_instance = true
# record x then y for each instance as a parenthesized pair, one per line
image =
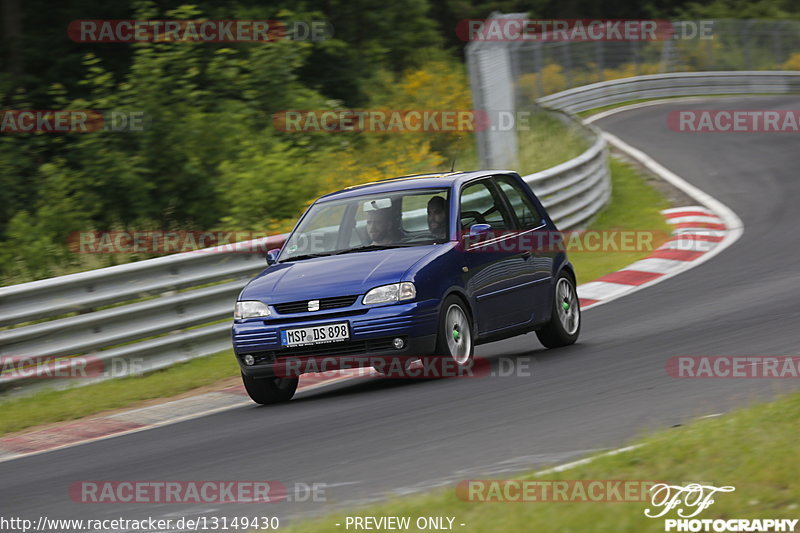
(566, 61)
(600, 58)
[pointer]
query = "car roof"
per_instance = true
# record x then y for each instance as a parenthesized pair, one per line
(414, 181)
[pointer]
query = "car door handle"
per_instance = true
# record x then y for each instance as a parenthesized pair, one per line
(526, 254)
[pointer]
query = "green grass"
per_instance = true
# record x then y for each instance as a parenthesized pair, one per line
(753, 450)
(634, 205)
(56, 406)
(547, 143)
(543, 142)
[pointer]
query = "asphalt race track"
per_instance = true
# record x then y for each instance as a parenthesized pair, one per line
(372, 439)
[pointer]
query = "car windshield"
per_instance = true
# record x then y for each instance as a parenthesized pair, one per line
(379, 221)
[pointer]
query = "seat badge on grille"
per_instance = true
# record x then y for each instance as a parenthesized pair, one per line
(313, 305)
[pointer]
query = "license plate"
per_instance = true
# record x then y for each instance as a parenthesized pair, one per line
(315, 334)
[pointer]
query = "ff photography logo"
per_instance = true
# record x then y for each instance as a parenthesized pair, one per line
(694, 498)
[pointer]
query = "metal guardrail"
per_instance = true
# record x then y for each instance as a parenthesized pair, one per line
(673, 84)
(574, 191)
(128, 318)
(162, 311)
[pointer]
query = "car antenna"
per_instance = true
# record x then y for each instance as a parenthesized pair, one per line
(453, 166)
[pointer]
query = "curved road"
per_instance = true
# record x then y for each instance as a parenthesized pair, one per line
(373, 439)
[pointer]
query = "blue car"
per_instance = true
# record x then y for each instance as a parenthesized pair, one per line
(422, 266)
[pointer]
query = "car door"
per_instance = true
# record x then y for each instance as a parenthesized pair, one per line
(498, 276)
(531, 231)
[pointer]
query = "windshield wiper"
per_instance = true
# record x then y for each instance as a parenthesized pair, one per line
(303, 256)
(369, 247)
(366, 248)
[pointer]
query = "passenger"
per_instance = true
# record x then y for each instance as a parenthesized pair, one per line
(437, 217)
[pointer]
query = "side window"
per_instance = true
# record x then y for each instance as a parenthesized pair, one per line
(526, 212)
(479, 206)
(415, 211)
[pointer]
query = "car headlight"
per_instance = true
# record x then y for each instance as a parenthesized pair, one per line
(250, 309)
(391, 293)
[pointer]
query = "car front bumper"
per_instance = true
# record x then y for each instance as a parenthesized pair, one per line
(372, 332)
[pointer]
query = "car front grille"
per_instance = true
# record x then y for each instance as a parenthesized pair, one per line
(324, 303)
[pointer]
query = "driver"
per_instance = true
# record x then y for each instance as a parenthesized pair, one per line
(380, 228)
(437, 217)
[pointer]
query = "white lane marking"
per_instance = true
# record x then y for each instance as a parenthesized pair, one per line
(656, 265)
(7, 455)
(153, 414)
(602, 290)
(512, 466)
(695, 218)
(700, 231)
(686, 209)
(609, 112)
(686, 244)
(581, 462)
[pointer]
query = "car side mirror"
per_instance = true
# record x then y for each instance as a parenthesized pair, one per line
(479, 229)
(272, 256)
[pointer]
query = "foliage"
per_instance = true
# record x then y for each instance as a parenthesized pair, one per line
(209, 156)
(793, 63)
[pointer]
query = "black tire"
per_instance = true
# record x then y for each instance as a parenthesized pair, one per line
(455, 332)
(270, 390)
(561, 330)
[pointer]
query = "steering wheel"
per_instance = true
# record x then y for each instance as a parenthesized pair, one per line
(477, 215)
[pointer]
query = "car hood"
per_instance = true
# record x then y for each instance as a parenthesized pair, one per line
(337, 275)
